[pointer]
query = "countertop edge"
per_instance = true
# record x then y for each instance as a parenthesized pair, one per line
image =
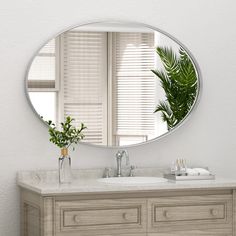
(147, 189)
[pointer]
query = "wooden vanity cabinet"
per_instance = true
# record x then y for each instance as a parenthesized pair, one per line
(189, 213)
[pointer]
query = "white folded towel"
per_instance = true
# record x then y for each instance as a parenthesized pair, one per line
(202, 171)
(191, 172)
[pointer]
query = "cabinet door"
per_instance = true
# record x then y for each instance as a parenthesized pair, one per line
(100, 217)
(195, 214)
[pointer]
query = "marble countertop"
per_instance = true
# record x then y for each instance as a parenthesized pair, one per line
(85, 181)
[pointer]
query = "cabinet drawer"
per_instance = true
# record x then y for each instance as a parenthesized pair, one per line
(101, 216)
(190, 212)
(93, 217)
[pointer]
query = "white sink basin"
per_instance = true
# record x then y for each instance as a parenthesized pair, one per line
(132, 180)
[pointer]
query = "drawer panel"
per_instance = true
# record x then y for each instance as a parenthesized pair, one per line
(100, 217)
(190, 213)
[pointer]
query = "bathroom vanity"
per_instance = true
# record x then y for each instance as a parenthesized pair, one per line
(88, 207)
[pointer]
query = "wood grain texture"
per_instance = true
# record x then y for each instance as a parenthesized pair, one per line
(48, 216)
(30, 214)
(31, 220)
(234, 212)
(96, 217)
(89, 217)
(190, 213)
(154, 214)
(205, 232)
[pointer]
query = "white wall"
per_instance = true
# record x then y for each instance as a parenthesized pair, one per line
(208, 138)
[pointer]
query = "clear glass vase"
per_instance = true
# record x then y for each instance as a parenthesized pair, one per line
(65, 175)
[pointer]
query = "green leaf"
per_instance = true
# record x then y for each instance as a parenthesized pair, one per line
(179, 81)
(68, 135)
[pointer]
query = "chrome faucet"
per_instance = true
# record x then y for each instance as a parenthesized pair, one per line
(119, 156)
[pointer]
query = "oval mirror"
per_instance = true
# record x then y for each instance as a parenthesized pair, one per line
(127, 82)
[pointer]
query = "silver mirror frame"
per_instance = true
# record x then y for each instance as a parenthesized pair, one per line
(196, 66)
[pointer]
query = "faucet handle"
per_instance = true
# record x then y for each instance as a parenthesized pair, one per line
(107, 172)
(119, 154)
(126, 157)
(131, 173)
(127, 161)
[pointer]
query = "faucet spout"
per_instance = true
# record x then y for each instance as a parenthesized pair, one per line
(119, 156)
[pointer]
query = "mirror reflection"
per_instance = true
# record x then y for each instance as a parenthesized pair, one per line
(126, 82)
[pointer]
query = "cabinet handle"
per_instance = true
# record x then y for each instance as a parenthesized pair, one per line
(167, 214)
(214, 212)
(76, 219)
(125, 216)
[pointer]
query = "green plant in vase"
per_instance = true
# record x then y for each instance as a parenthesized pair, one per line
(64, 138)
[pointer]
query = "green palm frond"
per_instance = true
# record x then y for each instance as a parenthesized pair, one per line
(179, 81)
(166, 113)
(169, 60)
